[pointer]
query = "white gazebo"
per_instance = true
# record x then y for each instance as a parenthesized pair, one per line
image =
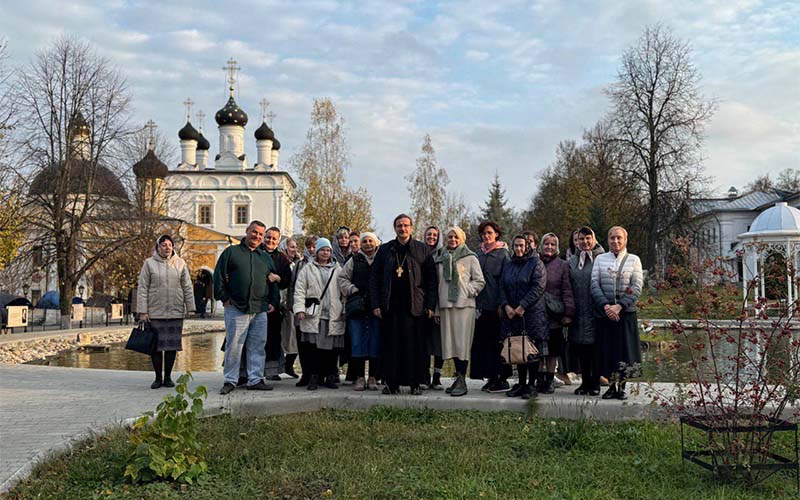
(776, 230)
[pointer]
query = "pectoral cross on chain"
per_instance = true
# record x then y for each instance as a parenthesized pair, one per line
(399, 271)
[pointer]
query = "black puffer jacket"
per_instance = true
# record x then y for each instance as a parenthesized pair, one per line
(492, 264)
(522, 284)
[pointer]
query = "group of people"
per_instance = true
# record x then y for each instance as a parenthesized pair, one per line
(386, 309)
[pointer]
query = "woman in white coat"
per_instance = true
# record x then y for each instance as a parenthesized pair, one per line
(460, 281)
(164, 298)
(319, 312)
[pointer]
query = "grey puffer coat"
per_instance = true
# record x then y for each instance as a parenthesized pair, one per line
(581, 331)
(522, 284)
(492, 264)
(165, 288)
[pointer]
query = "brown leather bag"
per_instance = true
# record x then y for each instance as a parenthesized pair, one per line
(519, 350)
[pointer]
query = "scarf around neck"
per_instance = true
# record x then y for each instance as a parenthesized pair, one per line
(494, 246)
(449, 258)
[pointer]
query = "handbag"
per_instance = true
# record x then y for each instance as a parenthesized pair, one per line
(519, 349)
(355, 308)
(312, 303)
(554, 305)
(142, 339)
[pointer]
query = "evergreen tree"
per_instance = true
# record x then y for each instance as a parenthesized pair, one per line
(497, 210)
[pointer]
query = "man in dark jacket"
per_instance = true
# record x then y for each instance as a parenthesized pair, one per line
(402, 293)
(282, 277)
(241, 283)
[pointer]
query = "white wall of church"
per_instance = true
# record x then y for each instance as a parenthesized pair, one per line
(228, 202)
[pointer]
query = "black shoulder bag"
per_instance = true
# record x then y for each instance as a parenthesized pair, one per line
(313, 303)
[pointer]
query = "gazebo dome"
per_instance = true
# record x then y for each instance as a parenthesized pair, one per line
(780, 218)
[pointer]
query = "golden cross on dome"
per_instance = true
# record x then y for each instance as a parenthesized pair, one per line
(264, 106)
(200, 118)
(188, 103)
(231, 68)
(151, 137)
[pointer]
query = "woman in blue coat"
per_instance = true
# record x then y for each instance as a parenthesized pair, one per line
(522, 303)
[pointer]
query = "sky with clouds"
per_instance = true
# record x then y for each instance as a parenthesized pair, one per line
(496, 84)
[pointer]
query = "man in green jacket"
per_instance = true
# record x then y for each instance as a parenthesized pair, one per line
(241, 283)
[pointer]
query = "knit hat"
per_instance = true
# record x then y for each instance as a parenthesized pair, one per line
(322, 243)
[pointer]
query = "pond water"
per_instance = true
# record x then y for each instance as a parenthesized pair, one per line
(661, 361)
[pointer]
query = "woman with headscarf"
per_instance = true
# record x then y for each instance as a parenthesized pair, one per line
(288, 248)
(341, 245)
(164, 298)
(308, 256)
(559, 305)
(582, 330)
(485, 357)
(460, 281)
(522, 303)
(573, 245)
(319, 311)
(616, 286)
(364, 328)
(432, 239)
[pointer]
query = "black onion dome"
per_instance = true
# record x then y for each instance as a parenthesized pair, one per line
(105, 182)
(188, 133)
(150, 167)
(276, 144)
(202, 143)
(264, 133)
(231, 114)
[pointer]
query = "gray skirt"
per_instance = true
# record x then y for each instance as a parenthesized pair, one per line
(170, 332)
(321, 339)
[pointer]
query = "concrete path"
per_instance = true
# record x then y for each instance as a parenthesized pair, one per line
(45, 409)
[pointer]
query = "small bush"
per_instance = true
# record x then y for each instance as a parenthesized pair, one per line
(165, 445)
(568, 434)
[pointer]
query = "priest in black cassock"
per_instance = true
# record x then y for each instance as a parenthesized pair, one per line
(403, 286)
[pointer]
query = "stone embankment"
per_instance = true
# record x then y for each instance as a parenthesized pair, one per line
(21, 348)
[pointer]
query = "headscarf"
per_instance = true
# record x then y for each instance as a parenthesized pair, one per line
(541, 254)
(160, 240)
(365, 235)
(439, 237)
(448, 258)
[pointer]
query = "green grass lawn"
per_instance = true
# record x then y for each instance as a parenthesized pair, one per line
(388, 453)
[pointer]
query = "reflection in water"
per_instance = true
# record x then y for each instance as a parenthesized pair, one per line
(200, 353)
(660, 361)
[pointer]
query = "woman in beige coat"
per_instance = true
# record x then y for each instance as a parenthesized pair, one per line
(164, 298)
(460, 281)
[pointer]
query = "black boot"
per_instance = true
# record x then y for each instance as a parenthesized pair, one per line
(547, 383)
(460, 386)
(611, 392)
(436, 382)
(288, 366)
(621, 394)
(313, 383)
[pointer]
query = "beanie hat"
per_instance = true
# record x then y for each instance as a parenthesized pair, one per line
(322, 243)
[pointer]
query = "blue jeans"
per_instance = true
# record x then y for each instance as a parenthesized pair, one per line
(244, 330)
(365, 336)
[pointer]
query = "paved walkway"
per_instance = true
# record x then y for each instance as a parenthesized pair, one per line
(44, 409)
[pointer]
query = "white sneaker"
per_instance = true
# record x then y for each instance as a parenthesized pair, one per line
(557, 382)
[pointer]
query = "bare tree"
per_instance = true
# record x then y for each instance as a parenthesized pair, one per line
(659, 117)
(73, 115)
(324, 200)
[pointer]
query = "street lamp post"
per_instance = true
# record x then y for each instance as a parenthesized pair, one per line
(82, 289)
(25, 288)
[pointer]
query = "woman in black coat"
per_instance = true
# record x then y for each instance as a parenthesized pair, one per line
(522, 287)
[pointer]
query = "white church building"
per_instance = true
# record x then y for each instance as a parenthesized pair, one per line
(225, 194)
